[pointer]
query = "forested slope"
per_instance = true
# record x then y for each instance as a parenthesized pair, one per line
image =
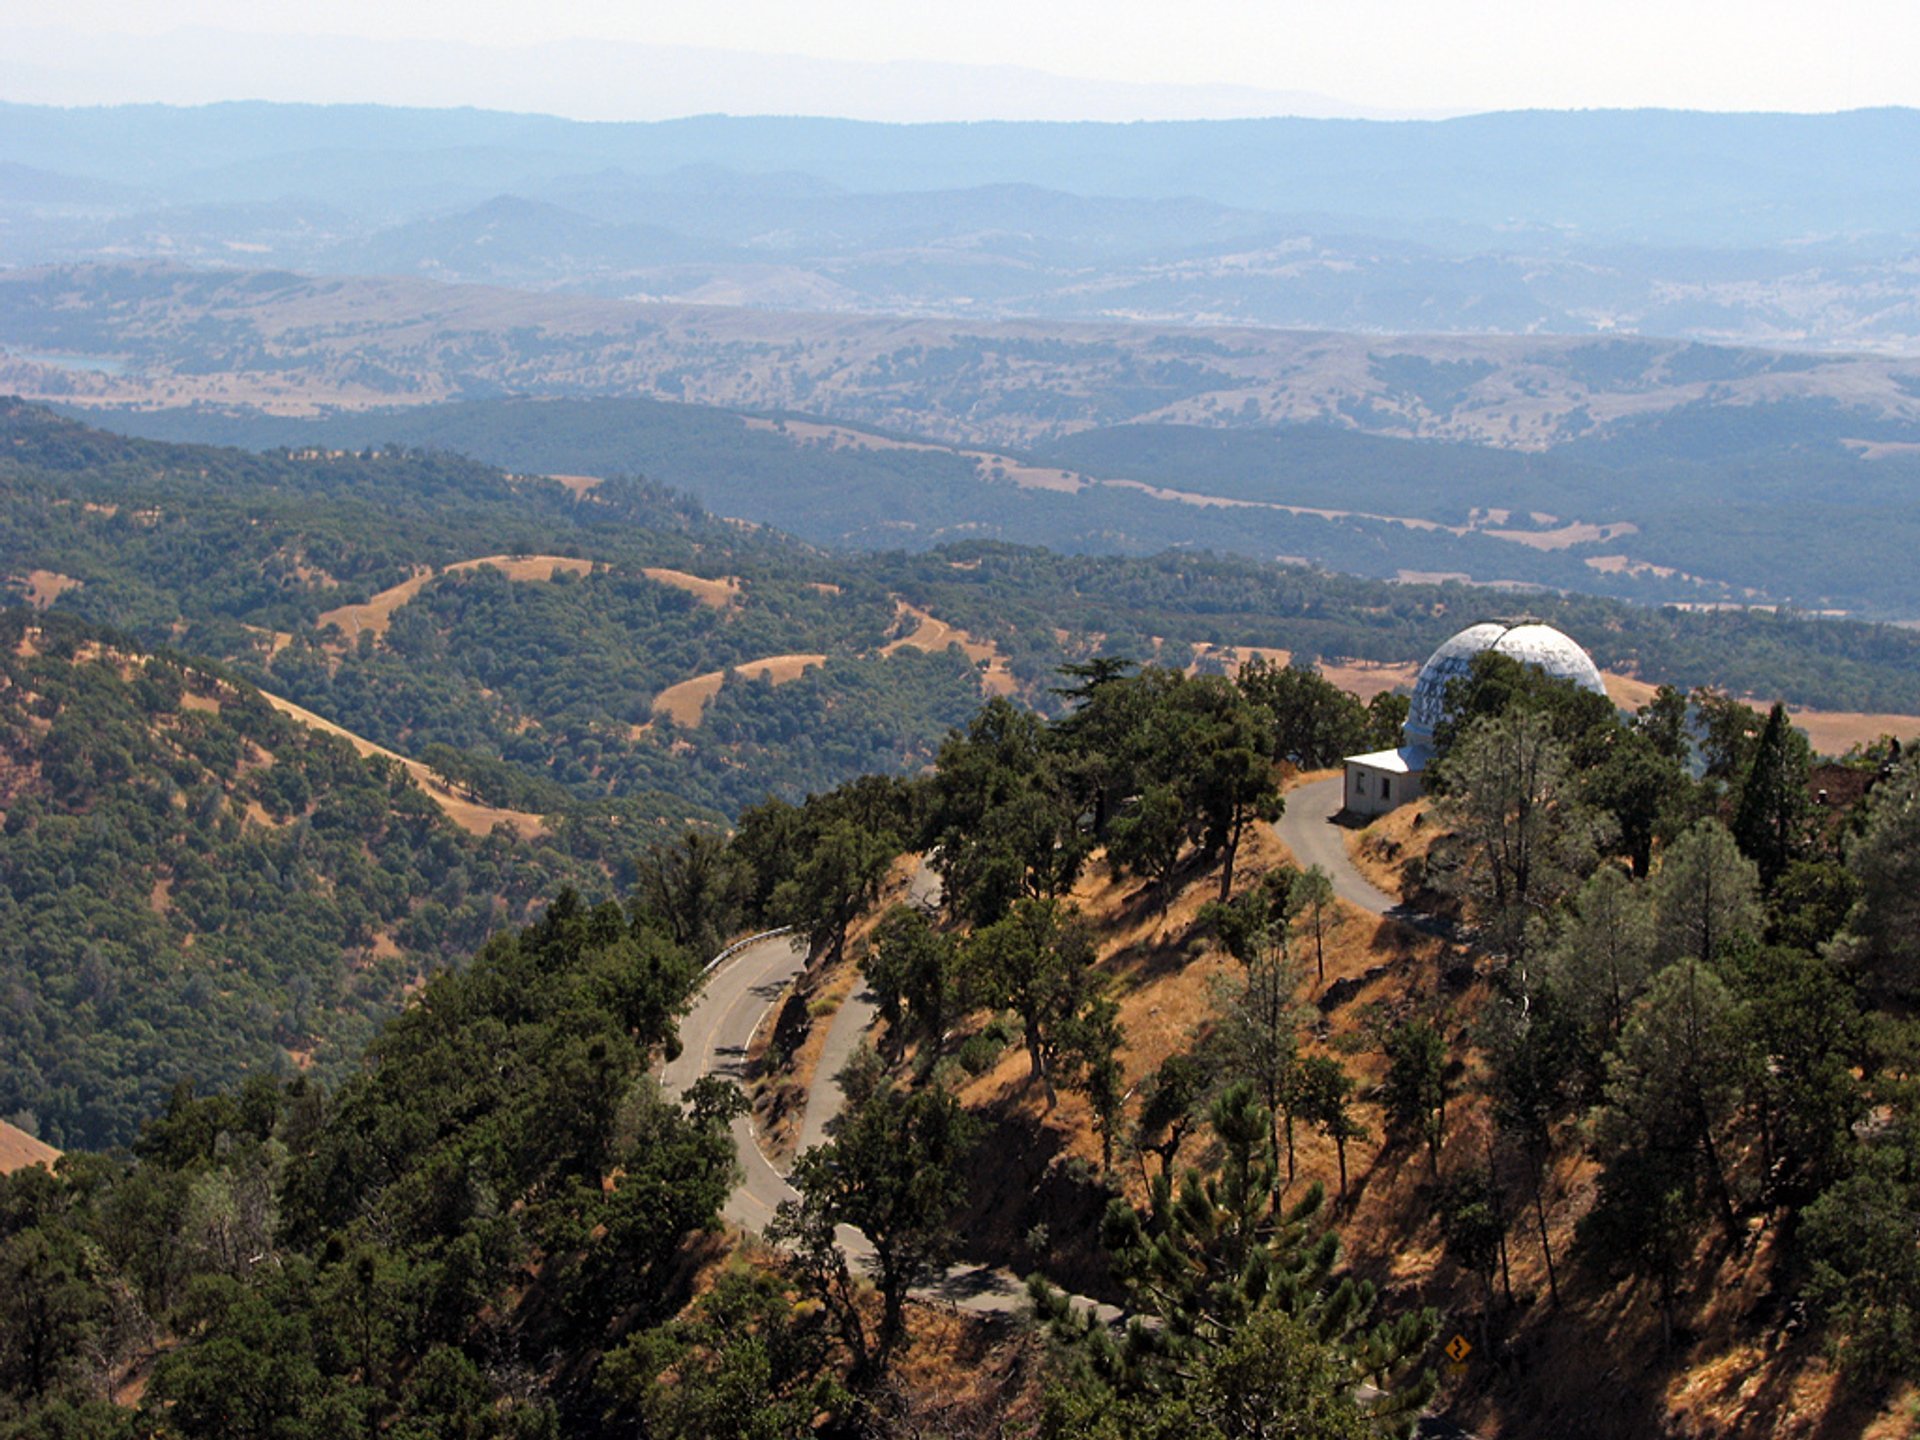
(194, 887)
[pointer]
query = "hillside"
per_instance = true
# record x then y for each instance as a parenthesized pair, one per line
(1518, 1147)
(18, 1149)
(146, 537)
(512, 701)
(197, 888)
(1573, 465)
(1496, 1112)
(1616, 514)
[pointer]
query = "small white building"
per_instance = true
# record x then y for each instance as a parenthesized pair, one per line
(1387, 779)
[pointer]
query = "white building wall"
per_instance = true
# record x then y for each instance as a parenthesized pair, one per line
(1373, 791)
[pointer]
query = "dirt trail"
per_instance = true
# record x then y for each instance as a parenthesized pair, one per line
(469, 815)
(376, 614)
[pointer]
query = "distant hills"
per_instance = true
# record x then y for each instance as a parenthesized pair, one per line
(1641, 176)
(1662, 356)
(1771, 229)
(1662, 471)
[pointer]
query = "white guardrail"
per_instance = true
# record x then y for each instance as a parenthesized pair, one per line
(737, 946)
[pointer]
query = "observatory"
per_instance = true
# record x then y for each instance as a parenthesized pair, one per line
(1387, 779)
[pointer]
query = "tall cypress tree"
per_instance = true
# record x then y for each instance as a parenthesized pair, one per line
(1771, 821)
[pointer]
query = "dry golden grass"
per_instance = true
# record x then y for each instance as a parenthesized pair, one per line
(988, 465)
(579, 486)
(1003, 469)
(41, 588)
(934, 635)
(19, 1150)
(1166, 976)
(839, 437)
(777, 1127)
(720, 593)
(1627, 692)
(276, 640)
(1831, 732)
(1367, 678)
(1834, 732)
(1235, 657)
(469, 815)
(1566, 536)
(1381, 850)
(687, 701)
(1627, 565)
(376, 613)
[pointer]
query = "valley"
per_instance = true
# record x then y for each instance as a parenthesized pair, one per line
(1394, 458)
(642, 762)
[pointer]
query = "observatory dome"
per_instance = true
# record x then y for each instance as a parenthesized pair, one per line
(1538, 645)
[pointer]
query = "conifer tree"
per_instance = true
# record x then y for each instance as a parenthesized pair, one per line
(1311, 898)
(1205, 1262)
(1706, 894)
(1770, 823)
(1326, 1095)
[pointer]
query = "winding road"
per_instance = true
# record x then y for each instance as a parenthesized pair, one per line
(714, 1037)
(744, 985)
(738, 994)
(1307, 828)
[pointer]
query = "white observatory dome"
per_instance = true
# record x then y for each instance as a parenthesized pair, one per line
(1538, 645)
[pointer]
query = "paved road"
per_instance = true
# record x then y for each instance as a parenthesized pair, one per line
(738, 994)
(850, 1025)
(825, 1099)
(1307, 827)
(714, 1037)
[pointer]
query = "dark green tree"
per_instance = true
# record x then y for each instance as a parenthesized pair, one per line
(1326, 1103)
(1173, 1101)
(895, 1171)
(1311, 899)
(1415, 1090)
(1770, 823)
(1511, 797)
(834, 883)
(1207, 1262)
(1036, 962)
(1706, 895)
(1257, 1039)
(1678, 1081)
(691, 886)
(1002, 816)
(913, 971)
(1315, 722)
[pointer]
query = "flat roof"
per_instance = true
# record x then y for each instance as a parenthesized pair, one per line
(1407, 760)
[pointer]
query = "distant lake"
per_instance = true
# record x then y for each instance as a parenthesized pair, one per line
(99, 364)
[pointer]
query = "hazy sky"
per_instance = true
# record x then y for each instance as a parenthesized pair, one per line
(1223, 56)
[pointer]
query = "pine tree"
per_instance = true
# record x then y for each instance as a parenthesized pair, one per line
(1204, 1264)
(1706, 894)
